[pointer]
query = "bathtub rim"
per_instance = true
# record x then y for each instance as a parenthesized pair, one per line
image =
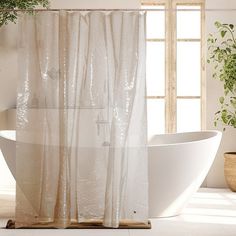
(216, 133)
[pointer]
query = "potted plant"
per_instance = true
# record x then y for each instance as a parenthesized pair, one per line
(222, 55)
(8, 8)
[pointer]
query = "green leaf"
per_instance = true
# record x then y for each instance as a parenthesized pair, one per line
(231, 26)
(228, 50)
(12, 5)
(223, 33)
(221, 99)
(218, 24)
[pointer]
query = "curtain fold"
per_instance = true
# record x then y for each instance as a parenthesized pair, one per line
(81, 119)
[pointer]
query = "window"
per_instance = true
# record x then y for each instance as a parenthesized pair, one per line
(175, 66)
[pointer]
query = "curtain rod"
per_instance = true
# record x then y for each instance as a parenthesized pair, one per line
(142, 10)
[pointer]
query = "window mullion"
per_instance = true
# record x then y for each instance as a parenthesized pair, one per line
(203, 69)
(171, 103)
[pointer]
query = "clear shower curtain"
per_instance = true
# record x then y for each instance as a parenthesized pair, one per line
(81, 119)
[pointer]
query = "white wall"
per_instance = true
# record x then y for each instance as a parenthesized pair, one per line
(8, 66)
(3, 120)
(8, 45)
(215, 177)
(95, 4)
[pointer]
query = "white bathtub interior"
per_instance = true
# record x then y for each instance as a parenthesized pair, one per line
(163, 139)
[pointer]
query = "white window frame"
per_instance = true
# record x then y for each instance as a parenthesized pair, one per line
(170, 40)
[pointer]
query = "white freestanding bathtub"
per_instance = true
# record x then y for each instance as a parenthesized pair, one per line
(178, 164)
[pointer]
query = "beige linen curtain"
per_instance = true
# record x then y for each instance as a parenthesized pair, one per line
(81, 119)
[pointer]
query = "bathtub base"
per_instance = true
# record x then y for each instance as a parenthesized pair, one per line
(86, 225)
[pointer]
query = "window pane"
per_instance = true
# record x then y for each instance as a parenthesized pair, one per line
(155, 68)
(188, 22)
(156, 116)
(155, 22)
(188, 68)
(188, 115)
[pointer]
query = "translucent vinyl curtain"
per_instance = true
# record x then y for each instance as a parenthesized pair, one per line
(81, 119)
